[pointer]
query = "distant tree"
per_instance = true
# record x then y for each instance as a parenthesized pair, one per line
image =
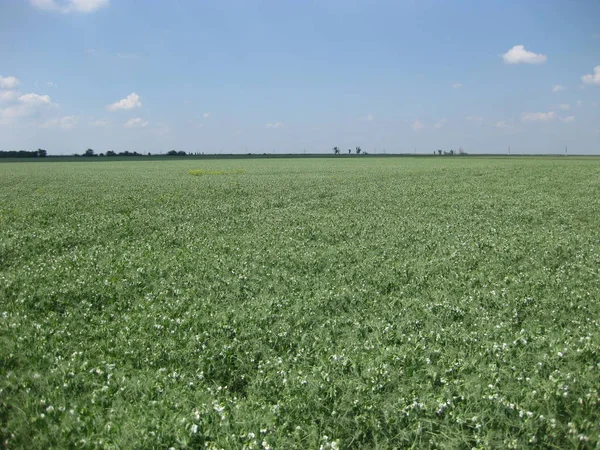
(111, 153)
(349, 151)
(358, 150)
(461, 151)
(18, 154)
(181, 153)
(101, 154)
(439, 152)
(451, 152)
(172, 152)
(41, 152)
(336, 150)
(89, 152)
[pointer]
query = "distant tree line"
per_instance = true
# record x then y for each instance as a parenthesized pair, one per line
(90, 152)
(459, 152)
(39, 153)
(176, 153)
(358, 150)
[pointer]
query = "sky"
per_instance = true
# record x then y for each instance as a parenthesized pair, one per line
(280, 76)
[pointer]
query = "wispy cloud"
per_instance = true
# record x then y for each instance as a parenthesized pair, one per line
(441, 123)
(274, 125)
(163, 129)
(538, 116)
(568, 119)
(557, 88)
(136, 123)
(51, 84)
(563, 106)
(477, 120)
(66, 123)
(518, 55)
(131, 101)
(457, 85)
(417, 125)
(206, 115)
(501, 124)
(127, 56)
(98, 123)
(70, 6)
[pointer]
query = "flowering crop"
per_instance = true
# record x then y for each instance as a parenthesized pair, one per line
(300, 303)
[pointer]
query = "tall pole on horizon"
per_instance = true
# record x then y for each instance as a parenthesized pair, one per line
(566, 152)
(509, 150)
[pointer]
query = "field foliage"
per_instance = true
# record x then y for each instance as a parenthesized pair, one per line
(326, 303)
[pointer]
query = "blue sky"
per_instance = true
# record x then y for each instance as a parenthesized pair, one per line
(284, 76)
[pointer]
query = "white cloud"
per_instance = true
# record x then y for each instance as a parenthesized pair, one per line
(131, 101)
(51, 84)
(8, 96)
(127, 56)
(477, 120)
(441, 123)
(592, 78)
(35, 100)
(274, 125)
(66, 123)
(136, 123)
(22, 105)
(568, 119)
(8, 82)
(417, 125)
(457, 85)
(98, 123)
(368, 118)
(69, 6)
(557, 88)
(206, 115)
(563, 106)
(501, 124)
(538, 116)
(518, 55)
(8, 115)
(163, 129)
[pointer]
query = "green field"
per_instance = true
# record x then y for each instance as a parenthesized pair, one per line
(300, 303)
